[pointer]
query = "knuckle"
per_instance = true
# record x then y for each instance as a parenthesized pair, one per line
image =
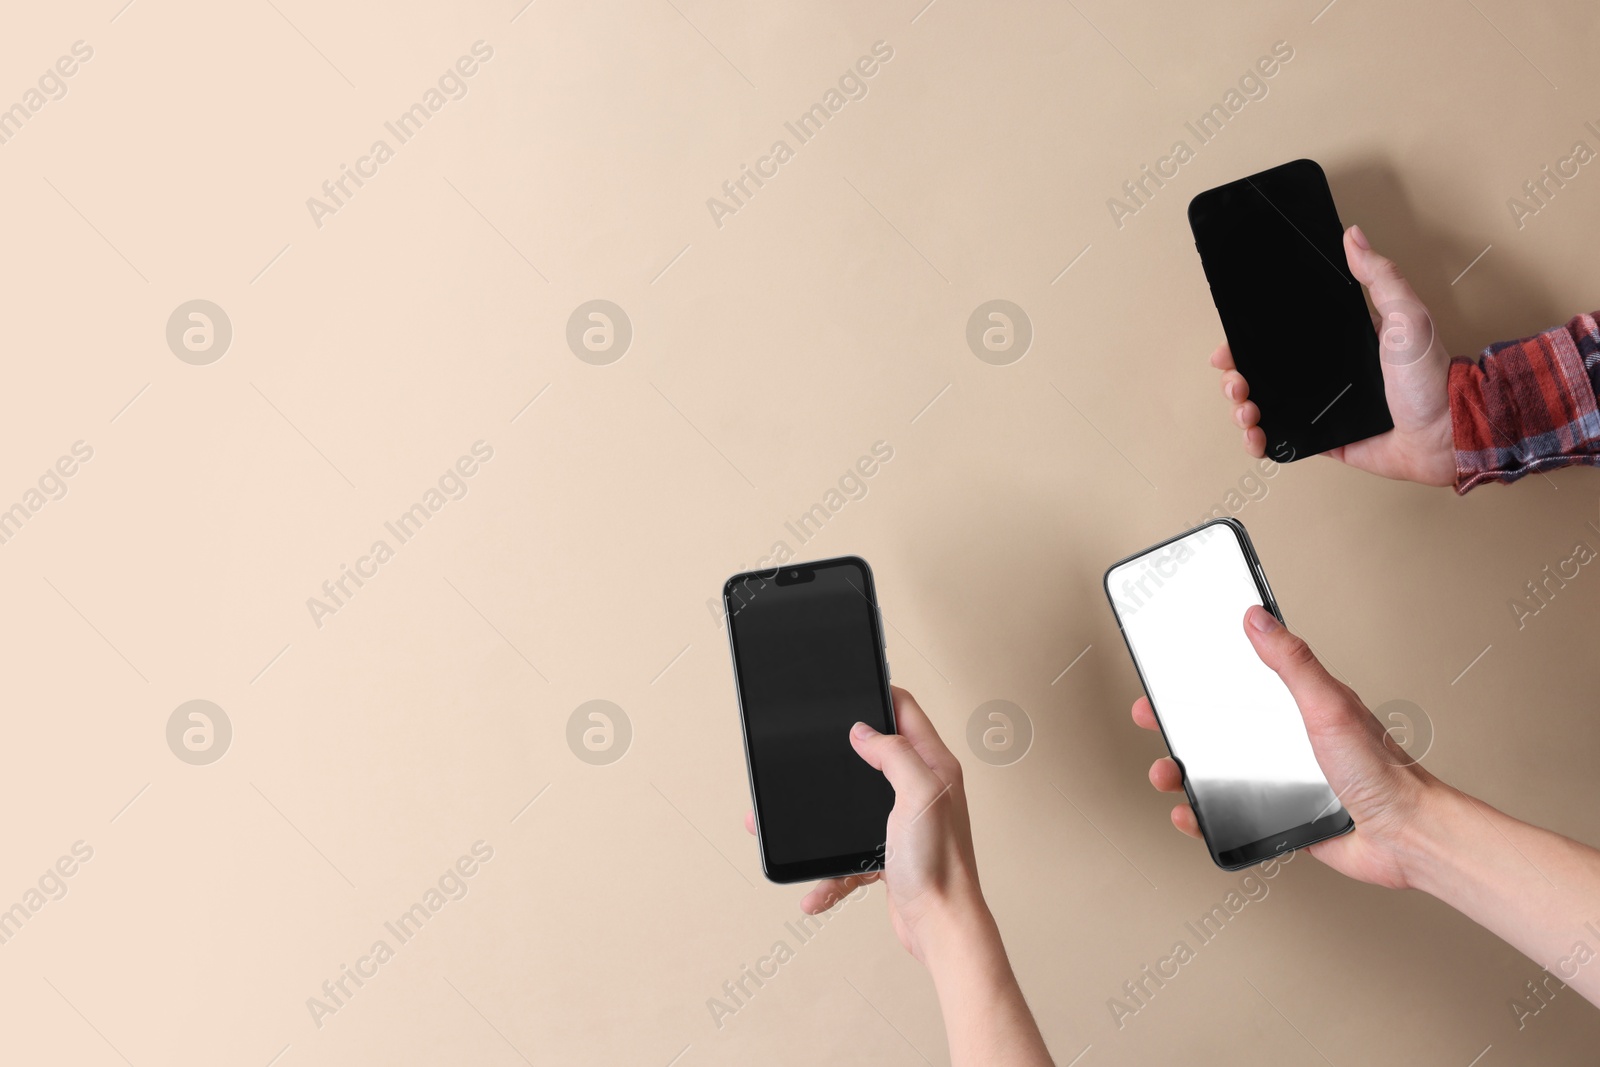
(894, 744)
(951, 771)
(1297, 652)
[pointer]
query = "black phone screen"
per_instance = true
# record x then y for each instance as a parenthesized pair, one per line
(808, 662)
(1295, 317)
(1228, 719)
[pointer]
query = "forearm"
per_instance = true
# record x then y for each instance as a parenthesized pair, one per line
(986, 1018)
(1534, 888)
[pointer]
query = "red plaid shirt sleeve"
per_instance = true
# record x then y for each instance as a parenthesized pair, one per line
(1527, 406)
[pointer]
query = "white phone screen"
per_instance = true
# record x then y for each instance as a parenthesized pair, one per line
(1228, 718)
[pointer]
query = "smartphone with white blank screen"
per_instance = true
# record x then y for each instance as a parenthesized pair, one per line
(1228, 720)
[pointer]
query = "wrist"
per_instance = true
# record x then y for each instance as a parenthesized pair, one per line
(1445, 470)
(1434, 838)
(957, 928)
(1436, 459)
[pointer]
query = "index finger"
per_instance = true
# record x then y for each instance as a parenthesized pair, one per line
(1222, 358)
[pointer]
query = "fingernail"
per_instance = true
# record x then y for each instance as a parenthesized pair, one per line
(1233, 391)
(1360, 238)
(1263, 620)
(861, 731)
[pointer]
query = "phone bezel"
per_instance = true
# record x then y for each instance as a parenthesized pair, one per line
(826, 866)
(1254, 852)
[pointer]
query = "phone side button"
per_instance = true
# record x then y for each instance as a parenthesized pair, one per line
(888, 670)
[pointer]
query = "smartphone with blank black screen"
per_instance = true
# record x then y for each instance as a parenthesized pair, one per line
(808, 664)
(1230, 723)
(1272, 248)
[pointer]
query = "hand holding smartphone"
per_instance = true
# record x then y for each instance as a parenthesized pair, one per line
(808, 663)
(1230, 723)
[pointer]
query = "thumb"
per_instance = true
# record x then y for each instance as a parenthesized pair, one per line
(1378, 273)
(1357, 755)
(1313, 688)
(1406, 332)
(895, 756)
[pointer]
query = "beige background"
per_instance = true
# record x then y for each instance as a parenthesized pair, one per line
(768, 354)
